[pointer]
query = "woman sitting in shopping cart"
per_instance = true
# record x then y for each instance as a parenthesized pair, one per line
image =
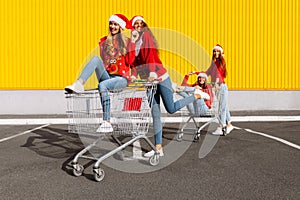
(112, 70)
(200, 106)
(148, 65)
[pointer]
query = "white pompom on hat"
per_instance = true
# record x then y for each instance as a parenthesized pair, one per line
(203, 74)
(135, 18)
(218, 47)
(120, 19)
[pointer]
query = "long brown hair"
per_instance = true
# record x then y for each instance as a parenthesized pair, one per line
(147, 29)
(221, 60)
(121, 41)
(204, 86)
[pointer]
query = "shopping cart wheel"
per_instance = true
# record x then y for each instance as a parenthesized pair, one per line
(99, 174)
(77, 170)
(179, 137)
(154, 160)
(197, 137)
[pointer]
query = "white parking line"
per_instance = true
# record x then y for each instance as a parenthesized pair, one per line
(34, 121)
(49, 121)
(272, 137)
(23, 133)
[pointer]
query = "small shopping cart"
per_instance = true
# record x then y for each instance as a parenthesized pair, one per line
(130, 115)
(212, 115)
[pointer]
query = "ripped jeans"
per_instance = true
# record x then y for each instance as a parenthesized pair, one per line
(106, 82)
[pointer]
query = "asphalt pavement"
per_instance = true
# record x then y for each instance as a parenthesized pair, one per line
(36, 164)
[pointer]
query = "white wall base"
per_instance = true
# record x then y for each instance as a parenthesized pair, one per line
(23, 102)
(26, 102)
(264, 100)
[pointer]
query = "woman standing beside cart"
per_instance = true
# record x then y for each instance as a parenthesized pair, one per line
(148, 65)
(218, 73)
(112, 70)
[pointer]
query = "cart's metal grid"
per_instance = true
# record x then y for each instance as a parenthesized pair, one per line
(130, 112)
(212, 114)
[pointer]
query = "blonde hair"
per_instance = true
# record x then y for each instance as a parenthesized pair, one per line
(121, 41)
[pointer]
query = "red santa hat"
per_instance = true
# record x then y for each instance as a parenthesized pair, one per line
(218, 47)
(203, 74)
(120, 19)
(135, 18)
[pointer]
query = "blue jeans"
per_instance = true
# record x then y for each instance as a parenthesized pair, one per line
(164, 90)
(224, 110)
(106, 82)
(197, 107)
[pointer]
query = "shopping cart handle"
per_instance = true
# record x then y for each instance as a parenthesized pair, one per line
(139, 80)
(145, 80)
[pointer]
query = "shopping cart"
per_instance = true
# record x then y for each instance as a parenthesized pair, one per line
(130, 115)
(212, 115)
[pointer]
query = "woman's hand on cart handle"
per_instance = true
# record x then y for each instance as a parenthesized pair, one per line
(133, 78)
(217, 83)
(153, 79)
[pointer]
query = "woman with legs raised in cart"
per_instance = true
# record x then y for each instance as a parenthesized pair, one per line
(200, 106)
(148, 65)
(112, 68)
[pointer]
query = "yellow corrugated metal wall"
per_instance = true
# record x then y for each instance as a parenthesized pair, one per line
(43, 44)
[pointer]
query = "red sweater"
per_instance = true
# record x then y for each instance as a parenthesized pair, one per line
(147, 61)
(116, 64)
(216, 71)
(207, 89)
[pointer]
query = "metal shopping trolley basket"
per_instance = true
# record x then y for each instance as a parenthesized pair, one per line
(130, 115)
(212, 115)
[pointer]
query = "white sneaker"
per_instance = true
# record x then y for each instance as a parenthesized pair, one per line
(218, 131)
(203, 95)
(105, 127)
(229, 129)
(77, 87)
(151, 153)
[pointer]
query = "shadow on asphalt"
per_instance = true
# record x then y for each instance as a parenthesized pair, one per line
(58, 143)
